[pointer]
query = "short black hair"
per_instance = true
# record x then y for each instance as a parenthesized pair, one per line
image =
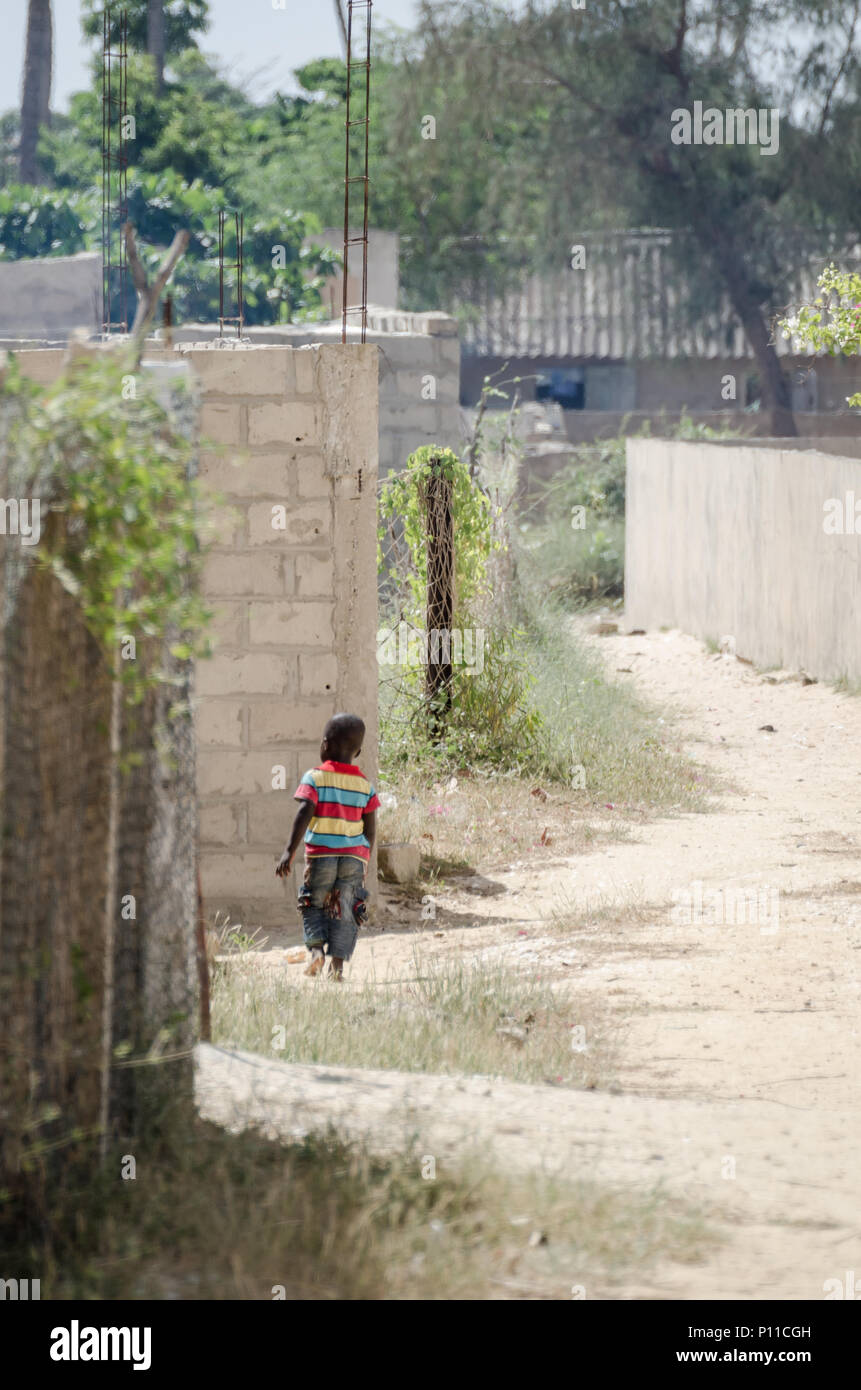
(344, 734)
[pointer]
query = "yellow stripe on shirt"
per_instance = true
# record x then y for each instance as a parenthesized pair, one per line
(330, 825)
(342, 780)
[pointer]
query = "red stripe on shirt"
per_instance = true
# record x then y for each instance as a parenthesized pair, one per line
(338, 811)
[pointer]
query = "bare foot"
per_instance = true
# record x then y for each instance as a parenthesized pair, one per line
(318, 960)
(336, 969)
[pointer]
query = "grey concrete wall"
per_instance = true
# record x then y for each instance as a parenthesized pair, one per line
(819, 384)
(49, 297)
(296, 607)
(727, 540)
(583, 426)
(419, 374)
(383, 269)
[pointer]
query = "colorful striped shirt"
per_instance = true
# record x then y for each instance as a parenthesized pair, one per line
(341, 796)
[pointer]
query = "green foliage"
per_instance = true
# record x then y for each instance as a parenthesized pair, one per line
(46, 222)
(198, 126)
(299, 149)
(688, 428)
(595, 479)
(123, 535)
(490, 721)
(191, 143)
(550, 122)
(183, 20)
(493, 722)
(38, 221)
(159, 205)
(503, 186)
(326, 75)
(403, 505)
(832, 323)
(572, 534)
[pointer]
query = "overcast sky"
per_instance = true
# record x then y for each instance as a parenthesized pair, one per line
(249, 35)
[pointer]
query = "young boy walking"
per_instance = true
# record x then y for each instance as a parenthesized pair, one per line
(338, 822)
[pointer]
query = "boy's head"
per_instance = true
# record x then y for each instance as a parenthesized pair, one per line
(342, 739)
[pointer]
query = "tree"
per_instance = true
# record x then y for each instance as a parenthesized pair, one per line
(36, 98)
(182, 21)
(554, 120)
(832, 323)
(342, 26)
(155, 39)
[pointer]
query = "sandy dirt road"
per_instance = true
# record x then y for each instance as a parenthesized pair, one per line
(727, 946)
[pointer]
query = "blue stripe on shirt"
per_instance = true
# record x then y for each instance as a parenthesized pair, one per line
(339, 795)
(335, 841)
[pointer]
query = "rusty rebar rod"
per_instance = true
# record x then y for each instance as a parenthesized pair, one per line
(114, 168)
(363, 178)
(239, 267)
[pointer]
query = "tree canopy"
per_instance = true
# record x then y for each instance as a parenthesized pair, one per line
(184, 20)
(498, 133)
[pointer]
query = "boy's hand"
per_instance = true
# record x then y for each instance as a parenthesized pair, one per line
(300, 825)
(285, 863)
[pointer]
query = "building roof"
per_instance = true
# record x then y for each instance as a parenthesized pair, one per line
(628, 302)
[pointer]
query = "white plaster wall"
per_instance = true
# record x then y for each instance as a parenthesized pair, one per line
(727, 540)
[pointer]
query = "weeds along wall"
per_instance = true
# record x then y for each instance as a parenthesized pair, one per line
(88, 987)
(289, 450)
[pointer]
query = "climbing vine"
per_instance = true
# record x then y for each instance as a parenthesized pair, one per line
(403, 523)
(489, 718)
(123, 513)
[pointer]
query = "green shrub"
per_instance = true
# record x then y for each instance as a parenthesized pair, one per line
(490, 720)
(572, 531)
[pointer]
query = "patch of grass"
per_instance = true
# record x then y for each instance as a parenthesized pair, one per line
(448, 1016)
(597, 748)
(572, 528)
(622, 744)
(580, 567)
(541, 705)
(490, 820)
(217, 1216)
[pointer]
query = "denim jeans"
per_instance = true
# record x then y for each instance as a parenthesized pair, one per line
(328, 919)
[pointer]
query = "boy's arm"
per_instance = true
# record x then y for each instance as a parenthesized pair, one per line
(369, 826)
(297, 834)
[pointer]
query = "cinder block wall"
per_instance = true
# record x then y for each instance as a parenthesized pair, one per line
(295, 606)
(419, 374)
(295, 603)
(730, 540)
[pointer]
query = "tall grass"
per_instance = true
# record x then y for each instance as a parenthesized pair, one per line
(216, 1216)
(571, 530)
(623, 743)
